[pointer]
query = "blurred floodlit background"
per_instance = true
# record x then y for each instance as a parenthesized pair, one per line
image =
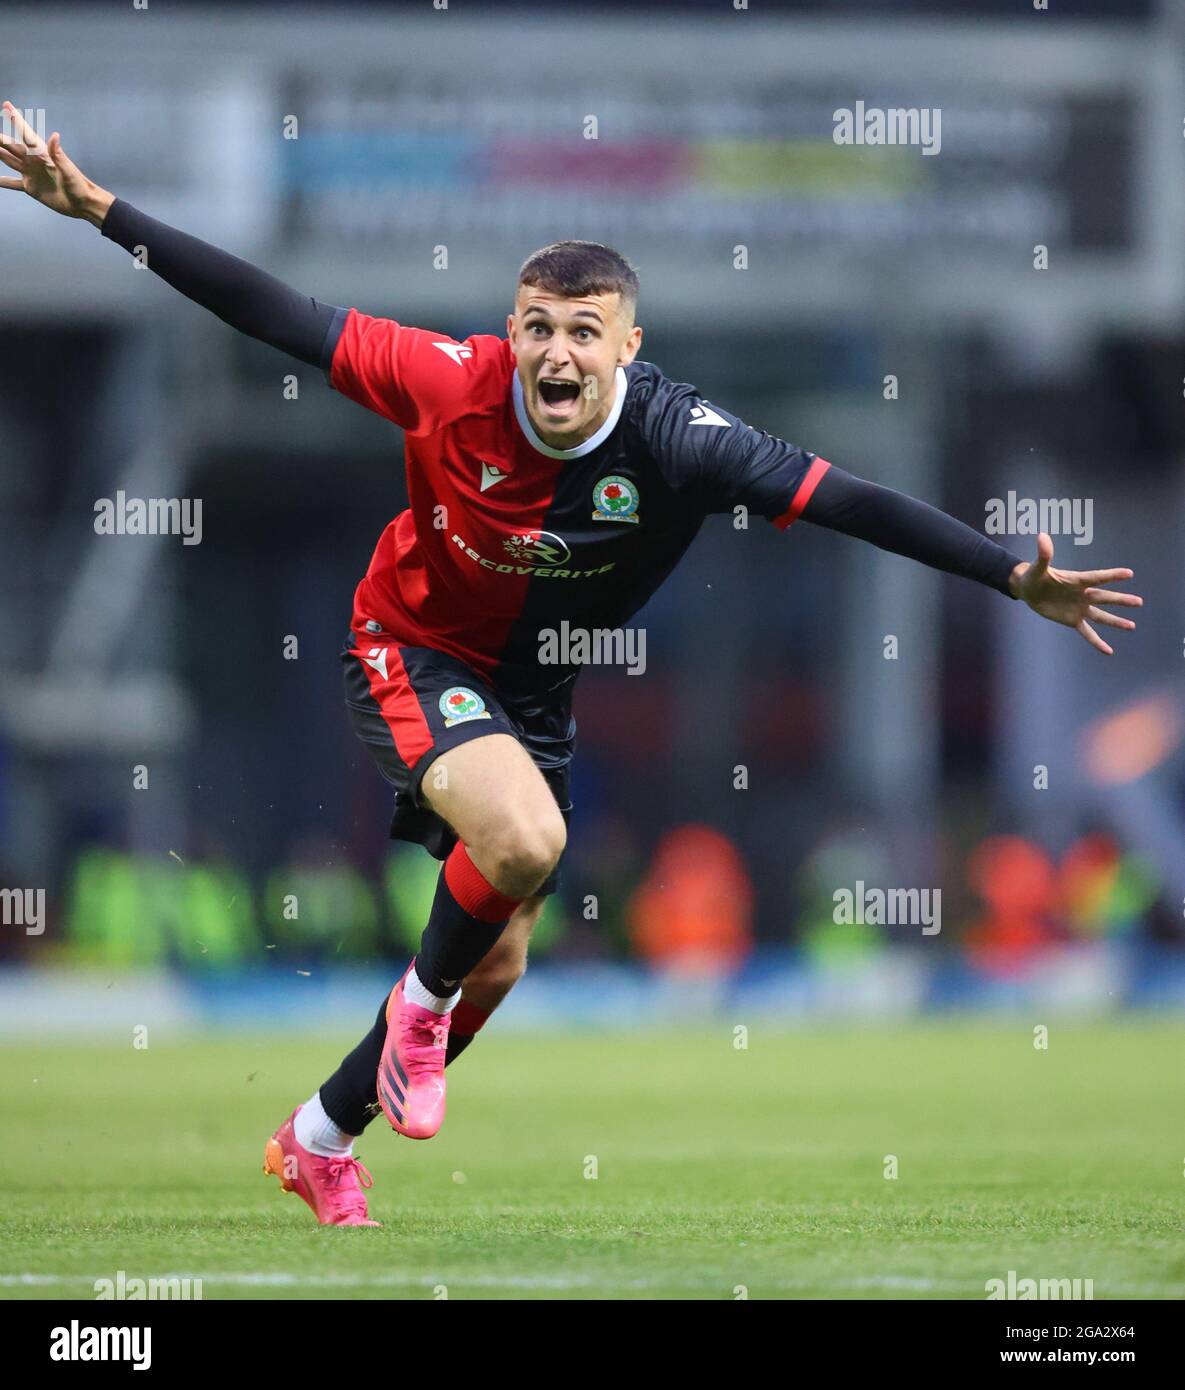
(886, 313)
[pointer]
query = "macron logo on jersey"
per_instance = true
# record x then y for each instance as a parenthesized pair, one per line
(378, 659)
(457, 351)
(490, 475)
(705, 415)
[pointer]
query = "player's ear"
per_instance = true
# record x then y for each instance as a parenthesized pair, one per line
(629, 349)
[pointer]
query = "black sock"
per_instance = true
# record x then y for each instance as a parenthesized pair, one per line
(455, 940)
(350, 1096)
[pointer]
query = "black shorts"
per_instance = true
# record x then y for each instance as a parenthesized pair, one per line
(411, 704)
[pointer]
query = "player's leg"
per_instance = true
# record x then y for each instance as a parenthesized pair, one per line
(487, 984)
(312, 1151)
(547, 731)
(351, 1093)
(511, 834)
(346, 1103)
(493, 977)
(399, 700)
(325, 1174)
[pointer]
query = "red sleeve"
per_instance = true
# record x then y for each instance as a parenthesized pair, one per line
(418, 379)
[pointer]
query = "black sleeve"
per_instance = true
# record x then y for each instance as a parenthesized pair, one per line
(239, 293)
(710, 455)
(907, 527)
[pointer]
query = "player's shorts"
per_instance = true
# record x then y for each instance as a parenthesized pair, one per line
(411, 704)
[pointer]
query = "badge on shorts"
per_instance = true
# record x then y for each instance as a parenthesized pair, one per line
(458, 703)
(615, 499)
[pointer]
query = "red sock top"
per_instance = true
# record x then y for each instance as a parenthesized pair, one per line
(473, 891)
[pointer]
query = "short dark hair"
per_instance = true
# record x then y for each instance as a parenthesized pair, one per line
(578, 268)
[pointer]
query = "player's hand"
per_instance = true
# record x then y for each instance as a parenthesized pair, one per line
(46, 172)
(1072, 596)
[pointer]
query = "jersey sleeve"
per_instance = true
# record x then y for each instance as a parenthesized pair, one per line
(713, 457)
(241, 294)
(906, 526)
(415, 378)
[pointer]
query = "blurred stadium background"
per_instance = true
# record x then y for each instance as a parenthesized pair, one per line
(417, 129)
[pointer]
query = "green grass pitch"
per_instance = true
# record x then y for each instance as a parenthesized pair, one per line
(716, 1169)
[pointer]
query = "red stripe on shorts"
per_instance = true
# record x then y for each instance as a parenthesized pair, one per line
(397, 701)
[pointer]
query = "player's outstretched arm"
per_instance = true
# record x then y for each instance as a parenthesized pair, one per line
(1071, 597)
(241, 294)
(906, 526)
(894, 521)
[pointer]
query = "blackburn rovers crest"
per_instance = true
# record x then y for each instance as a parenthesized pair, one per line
(615, 499)
(459, 703)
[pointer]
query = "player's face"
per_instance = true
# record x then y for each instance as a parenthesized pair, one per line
(568, 352)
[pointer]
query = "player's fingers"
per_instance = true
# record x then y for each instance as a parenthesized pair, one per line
(24, 131)
(59, 156)
(1111, 619)
(1044, 549)
(27, 153)
(1093, 637)
(1102, 576)
(9, 159)
(8, 117)
(1110, 596)
(13, 183)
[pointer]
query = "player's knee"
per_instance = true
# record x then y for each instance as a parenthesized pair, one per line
(526, 850)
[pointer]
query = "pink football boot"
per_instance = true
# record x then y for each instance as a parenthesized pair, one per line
(411, 1069)
(331, 1186)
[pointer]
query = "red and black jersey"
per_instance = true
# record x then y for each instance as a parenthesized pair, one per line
(506, 537)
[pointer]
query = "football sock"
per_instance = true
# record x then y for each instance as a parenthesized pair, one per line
(468, 916)
(350, 1096)
(467, 1020)
(416, 992)
(316, 1132)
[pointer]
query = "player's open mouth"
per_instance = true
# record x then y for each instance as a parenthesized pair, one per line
(559, 397)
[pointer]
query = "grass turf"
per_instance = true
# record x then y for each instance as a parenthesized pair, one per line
(716, 1168)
